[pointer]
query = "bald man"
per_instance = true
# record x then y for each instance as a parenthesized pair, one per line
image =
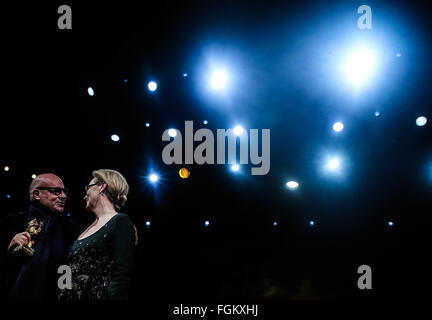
(35, 277)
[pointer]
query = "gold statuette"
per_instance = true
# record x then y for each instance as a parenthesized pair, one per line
(33, 227)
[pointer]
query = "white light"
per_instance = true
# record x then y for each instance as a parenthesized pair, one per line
(6, 168)
(148, 223)
(172, 133)
(90, 91)
(390, 224)
(33, 176)
(359, 66)
(238, 130)
(147, 124)
(206, 223)
(185, 75)
(8, 196)
(333, 164)
(205, 121)
(311, 223)
(219, 79)
(338, 126)
(115, 138)
(292, 184)
(153, 177)
(398, 54)
(421, 121)
(275, 223)
(152, 86)
(377, 113)
(235, 167)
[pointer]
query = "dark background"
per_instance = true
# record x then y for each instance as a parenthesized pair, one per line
(281, 51)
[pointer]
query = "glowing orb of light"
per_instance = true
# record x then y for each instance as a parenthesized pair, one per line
(421, 121)
(292, 184)
(184, 173)
(172, 133)
(338, 126)
(152, 86)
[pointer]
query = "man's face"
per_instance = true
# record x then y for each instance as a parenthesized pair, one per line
(50, 193)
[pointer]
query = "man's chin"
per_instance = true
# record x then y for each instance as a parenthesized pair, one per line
(59, 209)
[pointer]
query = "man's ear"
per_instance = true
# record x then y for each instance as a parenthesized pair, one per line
(36, 195)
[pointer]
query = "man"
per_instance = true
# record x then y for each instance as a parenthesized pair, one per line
(35, 277)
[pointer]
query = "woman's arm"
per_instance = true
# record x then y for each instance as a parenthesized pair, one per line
(123, 246)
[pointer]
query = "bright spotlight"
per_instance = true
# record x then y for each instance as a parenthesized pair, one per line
(206, 223)
(148, 224)
(275, 223)
(359, 66)
(152, 86)
(185, 75)
(338, 126)
(235, 167)
(90, 91)
(377, 114)
(333, 164)
(238, 130)
(115, 138)
(154, 178)
(33, 176)
(8, 196)
(311, 223)
(205, 121)
(292, 185)
(219, 79)
(6, 168)
(147, 124)
(390, 224)
(172, 133)
(421, 121)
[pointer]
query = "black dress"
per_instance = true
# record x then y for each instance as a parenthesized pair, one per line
(102, 263)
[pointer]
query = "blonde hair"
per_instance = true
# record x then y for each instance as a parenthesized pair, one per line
(117, 187)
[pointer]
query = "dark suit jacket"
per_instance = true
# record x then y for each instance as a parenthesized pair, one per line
(35, 278)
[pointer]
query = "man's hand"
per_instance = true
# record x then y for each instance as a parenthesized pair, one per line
(20, 239)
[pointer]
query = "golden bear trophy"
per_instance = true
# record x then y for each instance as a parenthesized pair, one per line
(33, 228)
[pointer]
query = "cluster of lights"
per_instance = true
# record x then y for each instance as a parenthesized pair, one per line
(358, 67)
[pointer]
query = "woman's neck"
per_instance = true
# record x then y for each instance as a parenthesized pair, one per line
(104, 210)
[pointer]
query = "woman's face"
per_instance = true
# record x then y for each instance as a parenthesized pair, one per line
(92, 194)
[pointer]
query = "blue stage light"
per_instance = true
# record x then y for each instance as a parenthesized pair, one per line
(153, 178)
(338, 126)
(152, 86)
(421, 121)
(172, 133)
(292, 185)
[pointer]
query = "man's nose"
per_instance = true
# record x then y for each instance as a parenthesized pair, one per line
(63, 195)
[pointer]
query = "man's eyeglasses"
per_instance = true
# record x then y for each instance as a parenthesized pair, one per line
(89, 186)
(56, 191)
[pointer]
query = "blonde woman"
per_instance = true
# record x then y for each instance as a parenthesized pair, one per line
(102, 257)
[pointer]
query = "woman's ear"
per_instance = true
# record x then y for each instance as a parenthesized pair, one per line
(103, 187)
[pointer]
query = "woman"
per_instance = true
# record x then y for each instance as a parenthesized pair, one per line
(102, 258)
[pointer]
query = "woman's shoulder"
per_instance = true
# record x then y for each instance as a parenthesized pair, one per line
(122, 218)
